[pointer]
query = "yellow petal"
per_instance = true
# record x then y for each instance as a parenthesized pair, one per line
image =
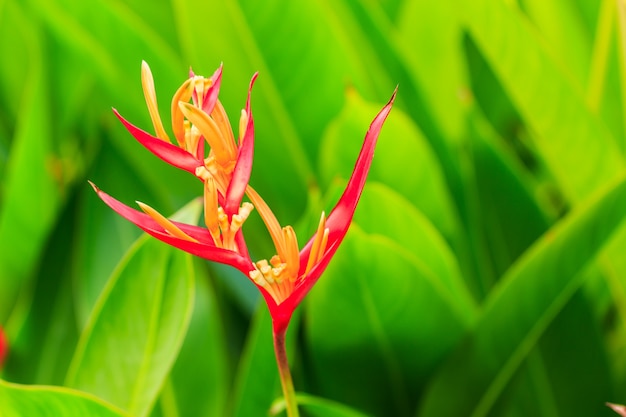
(165, 223)
(209, 129)
(221, 119)
(210, 209)
(182, 94)
(319, 244)
(243, 126)
(292, 256)
(270, 221)
(147, 82)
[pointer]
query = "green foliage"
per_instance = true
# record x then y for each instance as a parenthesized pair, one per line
(484, 274)
(143, 312)
(20, 400)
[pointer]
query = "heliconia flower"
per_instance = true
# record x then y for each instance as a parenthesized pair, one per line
(202, 119)
(288, 276)
(619, 409)
(291, 273)
(225, 172)
(4, 347)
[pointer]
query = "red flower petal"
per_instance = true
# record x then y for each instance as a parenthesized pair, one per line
(204, 248)
(210, 97)
(340, 217)
(206, 251)
(338, 222)
(243, 167)
(171, 154)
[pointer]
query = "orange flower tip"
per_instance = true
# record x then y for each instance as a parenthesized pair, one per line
(202, 172)
(94, 186)
(393, 96)
(257, 277)
(619, 409)
(243, 125)
(165, 223)
(184, 106)
(238, 219)
(244, 211)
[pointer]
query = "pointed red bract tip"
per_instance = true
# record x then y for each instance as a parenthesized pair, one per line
(167, 152)
(4, 347)
(337, 223)
(243, 167)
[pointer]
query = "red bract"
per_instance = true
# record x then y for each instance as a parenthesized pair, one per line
(4, 347)
(192, 239)
(290, 275)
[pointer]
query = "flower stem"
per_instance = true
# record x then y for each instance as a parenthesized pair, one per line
(285, 374)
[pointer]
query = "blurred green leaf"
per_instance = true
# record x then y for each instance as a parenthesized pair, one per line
(31, 195)
(584, 372)
(321, 75)
(199, 381)
(546, 98)
(436, 64)
(42, 346)
(375, 326)
(127, 361)
(413, 172)
(384, 212)
(311, 406)
(519, 310)
(556, 380)
(562, 24)
(45, 401)
(257, 383)
(510, 216)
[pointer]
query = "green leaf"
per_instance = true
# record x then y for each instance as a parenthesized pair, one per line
(377, 320)
(578, 378)
(47, 401)
(521, 307)
(511, 218)
(563, 25)
(138, 325)
(31, 197)
(42, 347)
(384, 212)
(578, 149)
(313, 94)
(198, 383)
(443, 81)
(318, 407)
(257, 383)
(413, 172)
(566, 375)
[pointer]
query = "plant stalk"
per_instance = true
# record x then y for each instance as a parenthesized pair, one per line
(285, 374)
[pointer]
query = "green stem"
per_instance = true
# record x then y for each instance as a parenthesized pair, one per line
(285, 374)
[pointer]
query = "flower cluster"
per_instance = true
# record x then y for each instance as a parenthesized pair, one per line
(198, 119)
